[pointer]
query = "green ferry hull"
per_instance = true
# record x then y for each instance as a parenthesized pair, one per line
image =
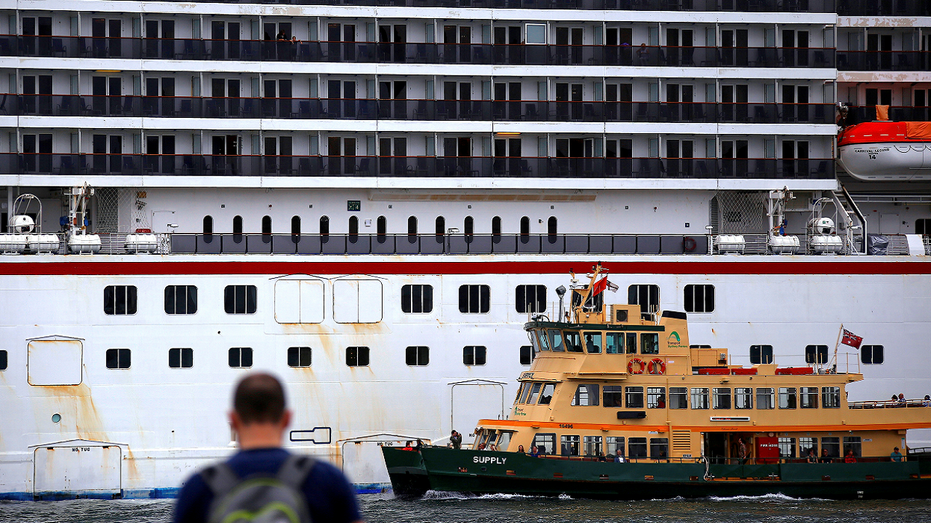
(482, 472)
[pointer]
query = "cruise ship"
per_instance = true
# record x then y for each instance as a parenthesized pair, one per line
(370, 198)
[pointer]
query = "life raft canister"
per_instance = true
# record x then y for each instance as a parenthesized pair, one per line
(635, 366)
(656, 366)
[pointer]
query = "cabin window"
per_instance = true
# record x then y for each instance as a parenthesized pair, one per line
(530, 393)
(119, 299)
(468, 226)
(743, 398)
(760, 354)
(699, 397)
(787, 398)
(530, 298)
(816, 354)
(324, 226)
(545, 443)
(526, 354)
(830, 397)
(678, 398)
(765, 398)
(496, 227)
(353, 226)
(573, 341)
(357, 356)
(417, 299)
(613, 396)
(4, 359)
(569, 445)
(538, 339)
(593, 342)
(831, 446)
(440, 226)
(240, 299)
(299, 356)
(381, 226)
(656, 397)
(180, 299)
(636, 448)
(119, 358)
(525, 226)
(474, 299)
(871, 354)
(659, 448)
(473, 355)
(417, 355)
(295, 226)
(721, 398)
(180, 358)
(266, 225)
(808, 444)
(614, 446)
(546, 396)
(237, 228)
(786, 447)
(586, 395)
(809, 397)
(208, 226)
(649, 343)
(852, 443)
(630, 342)
(591, 446)
(647, 296)
(634, 397)
(412, 226)
(554, 340)
(699, 298)
(240, 357)
(614, 343)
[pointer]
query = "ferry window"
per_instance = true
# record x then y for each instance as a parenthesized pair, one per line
(353, 226)
(699, 397)
(787, 398)
(474, 299)
(659, 448)
(743, 398)
(831, 446)
(678, 398)
(299, 356)
(266, 225)
(761, 354)
(830, 397)
(440, 226)
(614, 446)
(546, 443)
(418, 355)
(721, 398)
(119, 358)
(526, 354)
(649, 343)
(569, 445)
(540, 343)
(593, 342)
(634, 397)
(614, 343)
(871, 354)
(3, 359)
(591, 445)
(496, 226)
(381, 226)
(636, 448)
(786, 447)
(534, 391)
(357, 356)
(240, 357)
(468, 226)
(809, 397)
(631, 342)
(324, 226)
(551, 226)
(816, 354)
(613, 396)
(417, 299)
(473, 355)
(119, 299)
(765, 398)
(530, 298)
(586, 395)
(546, 396)
(699, 298)
(525, 226)
(239, 299)
(807, 444)
(852, 443)
(180, 299)
(208, 225)
(295, 226)
(237, 226)
(412, 226)
(573, 341)
(656, 397)
(554, 339)
(180, 358)
(647, 296)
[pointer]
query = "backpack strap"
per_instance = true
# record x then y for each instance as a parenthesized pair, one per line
(220, 478)
(295, 469)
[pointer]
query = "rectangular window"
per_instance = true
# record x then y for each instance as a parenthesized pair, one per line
(630, 342)
(573, 341)
(418, 355)
(119, 299)
(536, 34)
(721, 398)
(831, 446)
(526, 354)
(765, 398)
(678, 398)
(871, 354)
(761, 354)
(647, 296)
(180, 358)
(787, 398)
(417, 299)
(636, 448)
(743, 398)
(830, 397)
(534, 392)
(649, 343)
(634, 397)
(585, 395)
(852, 443)
(699, 298)
(474, 299)
(546, 396)
(659, 448)
(614, 343)
(809, 397)
(545, 443)
(816, 354)
(656, 397)
(699, 397)
(530, 298)
(808, 447)
(593, 342)
(786, 447)
(299, 356)
(3, 360)
(553, 340)
(569, 445)
(473, 355)
(119, 358)
(591, 445)
(239, 299)
(180, 299)
(240, 357)
(615, 446)
(613, 395)
(357, 356)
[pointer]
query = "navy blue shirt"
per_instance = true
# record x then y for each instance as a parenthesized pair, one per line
(330, 497)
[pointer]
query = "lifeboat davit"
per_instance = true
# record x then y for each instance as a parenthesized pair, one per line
(883, 151)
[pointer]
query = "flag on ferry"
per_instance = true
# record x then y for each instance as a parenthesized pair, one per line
(851, 339)
(603, 284)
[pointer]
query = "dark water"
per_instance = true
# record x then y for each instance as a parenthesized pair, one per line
(512, 509)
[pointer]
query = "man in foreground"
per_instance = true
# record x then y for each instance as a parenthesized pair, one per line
(259, 418)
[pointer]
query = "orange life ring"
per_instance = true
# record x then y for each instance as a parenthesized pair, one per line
(640, 366)
(689, 244)
(656, 366)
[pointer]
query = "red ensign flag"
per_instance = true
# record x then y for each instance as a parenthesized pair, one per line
(851, 339)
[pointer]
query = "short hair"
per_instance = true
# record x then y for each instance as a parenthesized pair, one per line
(259, 398)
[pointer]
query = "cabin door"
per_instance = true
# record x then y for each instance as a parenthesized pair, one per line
(716, 447)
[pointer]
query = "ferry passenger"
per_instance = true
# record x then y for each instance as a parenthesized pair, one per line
(619, 458)
(824, 457)
(456, 439)
(742, 451)
(408, 446)
(520, 449)
(927, 401)
(901, 399)
(811, 456)
(534, 452)
(896, 455)
(849, 457)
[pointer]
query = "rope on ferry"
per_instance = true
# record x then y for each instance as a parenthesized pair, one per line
(708, 476)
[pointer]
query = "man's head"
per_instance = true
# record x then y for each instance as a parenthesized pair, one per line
(259, 416)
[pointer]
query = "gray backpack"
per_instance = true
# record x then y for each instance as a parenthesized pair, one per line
(259, 498)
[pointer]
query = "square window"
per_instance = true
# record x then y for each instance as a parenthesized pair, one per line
(721, 398)
(647, 296)
(119, 299)
(240, 357)
(473, 355)
(119, 358)
(634, 397)
(474, 299)
(765, 398)
(699, 298)
(760, 354)
(299, 356)
(418, 355)
(816, 354)
(636, 448)
(656, 397)
(180, 299)
(526, 354)
(530, 298)
(417, 299)
(871, 354)
(357, 356)
(536, 34)
(180, 358)
(239, 299)
(699, 397)
(586, 394)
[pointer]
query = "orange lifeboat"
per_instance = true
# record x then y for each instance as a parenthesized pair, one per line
(885, 151)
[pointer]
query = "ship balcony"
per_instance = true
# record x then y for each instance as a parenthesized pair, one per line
(413, 53)
(413, 166)
(858, 114)
(883, 60)
(883, 8)
(409, 109)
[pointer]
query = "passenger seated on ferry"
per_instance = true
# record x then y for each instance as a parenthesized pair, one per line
(927, 401)
(620, 457)
(534, 452)
(896, 455)
(520, 449)
(811, 456)
(590, 345)
(661, 402)
(824, 457)
(849, 457)
(901, 398)
(601, 457)
(408, 446)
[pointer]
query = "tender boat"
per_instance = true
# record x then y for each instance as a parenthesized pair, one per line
(886, 150)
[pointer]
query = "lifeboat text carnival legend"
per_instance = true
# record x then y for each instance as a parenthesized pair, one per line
(370, 198)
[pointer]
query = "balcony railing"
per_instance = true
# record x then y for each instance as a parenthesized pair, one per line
(371, 109)
(884, 60)
(414, 53)
(413, 166)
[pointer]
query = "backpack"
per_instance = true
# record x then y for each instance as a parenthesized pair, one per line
(259, 498)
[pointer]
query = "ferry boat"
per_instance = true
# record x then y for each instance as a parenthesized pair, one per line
(620, 406)
(369, 198)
